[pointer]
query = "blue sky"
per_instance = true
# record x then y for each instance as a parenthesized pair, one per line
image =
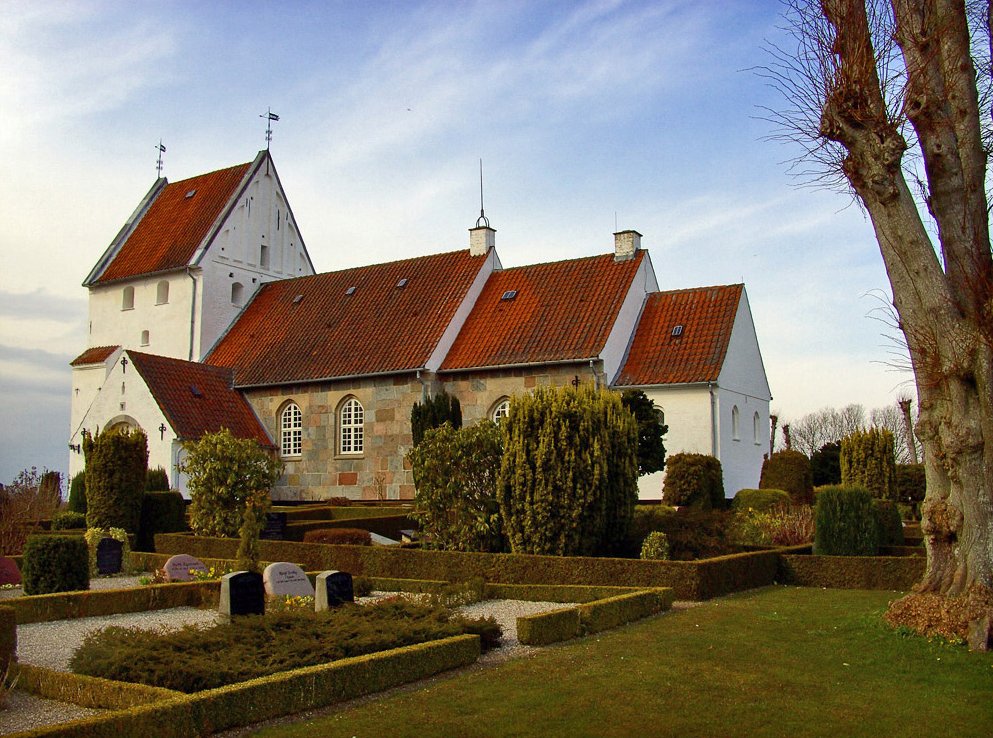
(586, 114)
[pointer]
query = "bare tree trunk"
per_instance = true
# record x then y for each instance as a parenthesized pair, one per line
(774, 419)
(908, 428)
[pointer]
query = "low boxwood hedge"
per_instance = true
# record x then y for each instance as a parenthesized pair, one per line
(898, 573)
(616, 611)
(385, 525)
(86, 691)
(548, 627)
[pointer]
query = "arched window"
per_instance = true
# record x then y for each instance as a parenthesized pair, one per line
(291, 430)
(351, 419)
(162, 293)
(735, 424)
(756, 427)
(237, 293)
(501, 410)
(144, 338)
(127, 300)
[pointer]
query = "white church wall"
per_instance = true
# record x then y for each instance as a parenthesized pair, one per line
(616, 346)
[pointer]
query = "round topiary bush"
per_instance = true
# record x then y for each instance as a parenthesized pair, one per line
(693, 480)
(789, 470)
(55, 564)
(760, 499)
(846, 523)
(655, 546)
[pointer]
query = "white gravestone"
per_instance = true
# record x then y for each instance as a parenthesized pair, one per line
(284, 579)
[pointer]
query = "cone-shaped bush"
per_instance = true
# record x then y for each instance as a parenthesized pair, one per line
(846, 522)
(868, 461)
(116, 465)
(77, 493)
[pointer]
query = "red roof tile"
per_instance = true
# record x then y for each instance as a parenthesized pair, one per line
(308, 328)
(562, 310)
(197, 399)
(697, 355)
(174, 225)
(95, 355)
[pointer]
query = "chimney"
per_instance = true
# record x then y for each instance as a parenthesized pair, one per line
(626, 243)
(482, 238)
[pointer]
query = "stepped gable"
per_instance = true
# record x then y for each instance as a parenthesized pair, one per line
(175, 224)
(560, 311)
(197, 399)
(657, 356)
(380, 319)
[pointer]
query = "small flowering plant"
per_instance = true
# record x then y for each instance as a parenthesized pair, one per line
(290, 603)
(209, 574)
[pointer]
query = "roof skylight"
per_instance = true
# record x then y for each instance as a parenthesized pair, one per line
(677, 331)
(509, 295)
(350, 291)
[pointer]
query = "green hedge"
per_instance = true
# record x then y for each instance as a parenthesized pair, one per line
(8, 637)
(898, 573)
(161, 512)
(270, 697)
(691, 580)
(87, 691)
(553, 592)
(388, 525)
(335, 512)
(68, 605)
(548, 627)
(55, 563)
(616, 611)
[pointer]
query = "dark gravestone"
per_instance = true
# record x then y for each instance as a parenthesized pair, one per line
(110, 556)
(275, 526)
(333, 588)
(9, 573)
(242, 593)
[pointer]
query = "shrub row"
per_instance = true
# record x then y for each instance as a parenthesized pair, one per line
(341, 536)
(389, 526)
(691, 580)
(300, 513)
(270, 697)
(852, 572)
(86, 691)
(68, 605)
(593, 617)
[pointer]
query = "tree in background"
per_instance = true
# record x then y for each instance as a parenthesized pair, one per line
(880, 94)
(825, 464)
(651, 431)
(116, 464)
(433, 413)
(568, 480)
(809, 433)
(867, 461)
(226, 477)
(22, 505)
(455, 473)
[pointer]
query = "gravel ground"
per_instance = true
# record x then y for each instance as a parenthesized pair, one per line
(52, 644)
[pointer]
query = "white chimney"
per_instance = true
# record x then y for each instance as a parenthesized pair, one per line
(626, 243)
(481, 240)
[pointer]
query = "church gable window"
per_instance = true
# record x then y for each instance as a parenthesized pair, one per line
(162, 293)
(291, 430)
(127, 299)
(735, 424)
(237, 293)
(351, 432)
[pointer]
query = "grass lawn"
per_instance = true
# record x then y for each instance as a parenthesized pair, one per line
(780, 661)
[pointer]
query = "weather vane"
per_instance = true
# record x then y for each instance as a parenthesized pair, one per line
(270, 117)
(158, 165)
(482, 220)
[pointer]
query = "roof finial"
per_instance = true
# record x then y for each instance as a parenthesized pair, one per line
(482, 220)
(270, 117)
(158, 165)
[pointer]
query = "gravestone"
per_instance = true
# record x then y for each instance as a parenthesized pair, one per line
(179, 568)
(9, 573)
(110, 556)
(334, 588)
(285, 579)
(242, 593)
(275, 526)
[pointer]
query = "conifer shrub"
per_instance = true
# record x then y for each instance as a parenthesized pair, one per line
(825, 464)
(760, 499)
(339, 536)
(434, 412)
(455, 473)
(156, 480)
(55, 564)
(789, 470)
(116, 463)
(77, 493)
(569, 473)
(161, 512)
(846, 523)
(694, 480)
(68, 520)
(889, 522)
(868, 461)
(910, 483)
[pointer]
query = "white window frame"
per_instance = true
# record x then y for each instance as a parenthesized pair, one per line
(501, 410)
(351, 427)
(291, 430)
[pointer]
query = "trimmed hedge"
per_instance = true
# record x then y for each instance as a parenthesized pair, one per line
(342, 536)
(616, 611)
(8, 638)
(336, 512)
(389, 526)
(281, 694)
(691, 580)
(69, 520)
(760, 499)
(548, 627)
(553, 592)
(898, 573)
(55, 563)
(161, 512)
(68, 605)
(87, 691)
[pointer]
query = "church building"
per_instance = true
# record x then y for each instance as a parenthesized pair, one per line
(206, 312)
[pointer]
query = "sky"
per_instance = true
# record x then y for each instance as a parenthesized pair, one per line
(589, 117)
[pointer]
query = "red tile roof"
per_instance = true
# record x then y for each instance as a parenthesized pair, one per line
(197, 399)
(95, 355)
(308, 328)
(562, 310)
(697, 355)
(174, 225)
